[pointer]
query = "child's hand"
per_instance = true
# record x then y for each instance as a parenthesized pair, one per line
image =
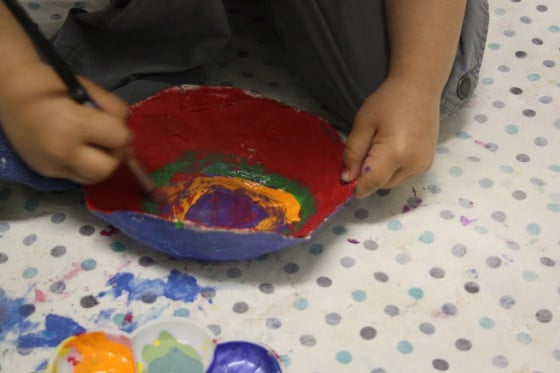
(57, 137)
(393, 138)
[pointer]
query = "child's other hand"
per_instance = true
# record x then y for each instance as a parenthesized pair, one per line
(57, 137)
(393, 138)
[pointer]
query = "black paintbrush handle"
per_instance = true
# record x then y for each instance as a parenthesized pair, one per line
(78, 92)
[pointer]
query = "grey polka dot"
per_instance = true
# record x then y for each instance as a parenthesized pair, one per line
(500, 361)
(273, 323)
(549, 262)
(414, 202)
(87, 230)
(291, 268)
(233, 272)
(519, 195)
(472, 287)
(507, 302)
(240, 307)
(549, 63)
(435, 189)
(556, 354)
(536, 181)
(29, 239)
(370, 245)
(449, 309)
(403, 258)
(381, 277)
(215, 329)
(509, 33)
(447, 215)
(207, 292)
(3, 258)
(529, 113)
(463, 344)
(427, 328)
(24, 351)
(513, 245)
(332, 318)
(542, 8)
(361, 213)
(499, 216)
(148, 297)
(486, 183)
(58, 251)
(525, 19)
(440, 364)
(146, 261)
(378, 370)
(473, 158)
(498, 104)
(503, 68)
(4, 227)
(493, 261)
(392, 310)
(520, 54)
(523, 158)
(368, 333)
(88, 301)
(57, 287)
(384, 192)
(541, 141)
(347, 262)
(58, 217)
(437, 272)
(491, 147)
(324, 282)
(516, 90)
(544, 315)
(545, 100)
(537, 41)
(307, 340)
(481, 118)
(266, 288)
(459, 250)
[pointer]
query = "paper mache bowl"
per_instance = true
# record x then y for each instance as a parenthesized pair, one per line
(244, 175)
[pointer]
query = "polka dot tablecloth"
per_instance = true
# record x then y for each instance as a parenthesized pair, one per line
(454, 271)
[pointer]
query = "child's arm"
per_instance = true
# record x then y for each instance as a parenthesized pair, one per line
(54, 135)
(395, 131)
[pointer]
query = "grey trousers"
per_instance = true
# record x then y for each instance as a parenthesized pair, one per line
(340, 49)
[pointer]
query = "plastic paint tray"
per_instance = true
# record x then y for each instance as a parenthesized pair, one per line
(244, 175)
(159, 347)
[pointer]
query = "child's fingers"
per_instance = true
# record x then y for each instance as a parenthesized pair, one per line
(105, 131)
(108, 101)
(355, 151)
(92, 164)
(378, 169)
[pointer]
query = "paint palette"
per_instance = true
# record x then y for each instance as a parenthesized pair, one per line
(243, 175)
(170, 345)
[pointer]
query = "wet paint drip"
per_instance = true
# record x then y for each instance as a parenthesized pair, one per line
(215, 193)
(167, 354)
(95, 352)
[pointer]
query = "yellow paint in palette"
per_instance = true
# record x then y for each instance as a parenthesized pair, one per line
(233, 202)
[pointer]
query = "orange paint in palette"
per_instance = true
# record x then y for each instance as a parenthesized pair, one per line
(95, 352)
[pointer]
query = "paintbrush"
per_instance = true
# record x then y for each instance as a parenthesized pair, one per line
(77, 91)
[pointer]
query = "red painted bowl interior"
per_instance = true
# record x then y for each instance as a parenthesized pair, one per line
(222, 124)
